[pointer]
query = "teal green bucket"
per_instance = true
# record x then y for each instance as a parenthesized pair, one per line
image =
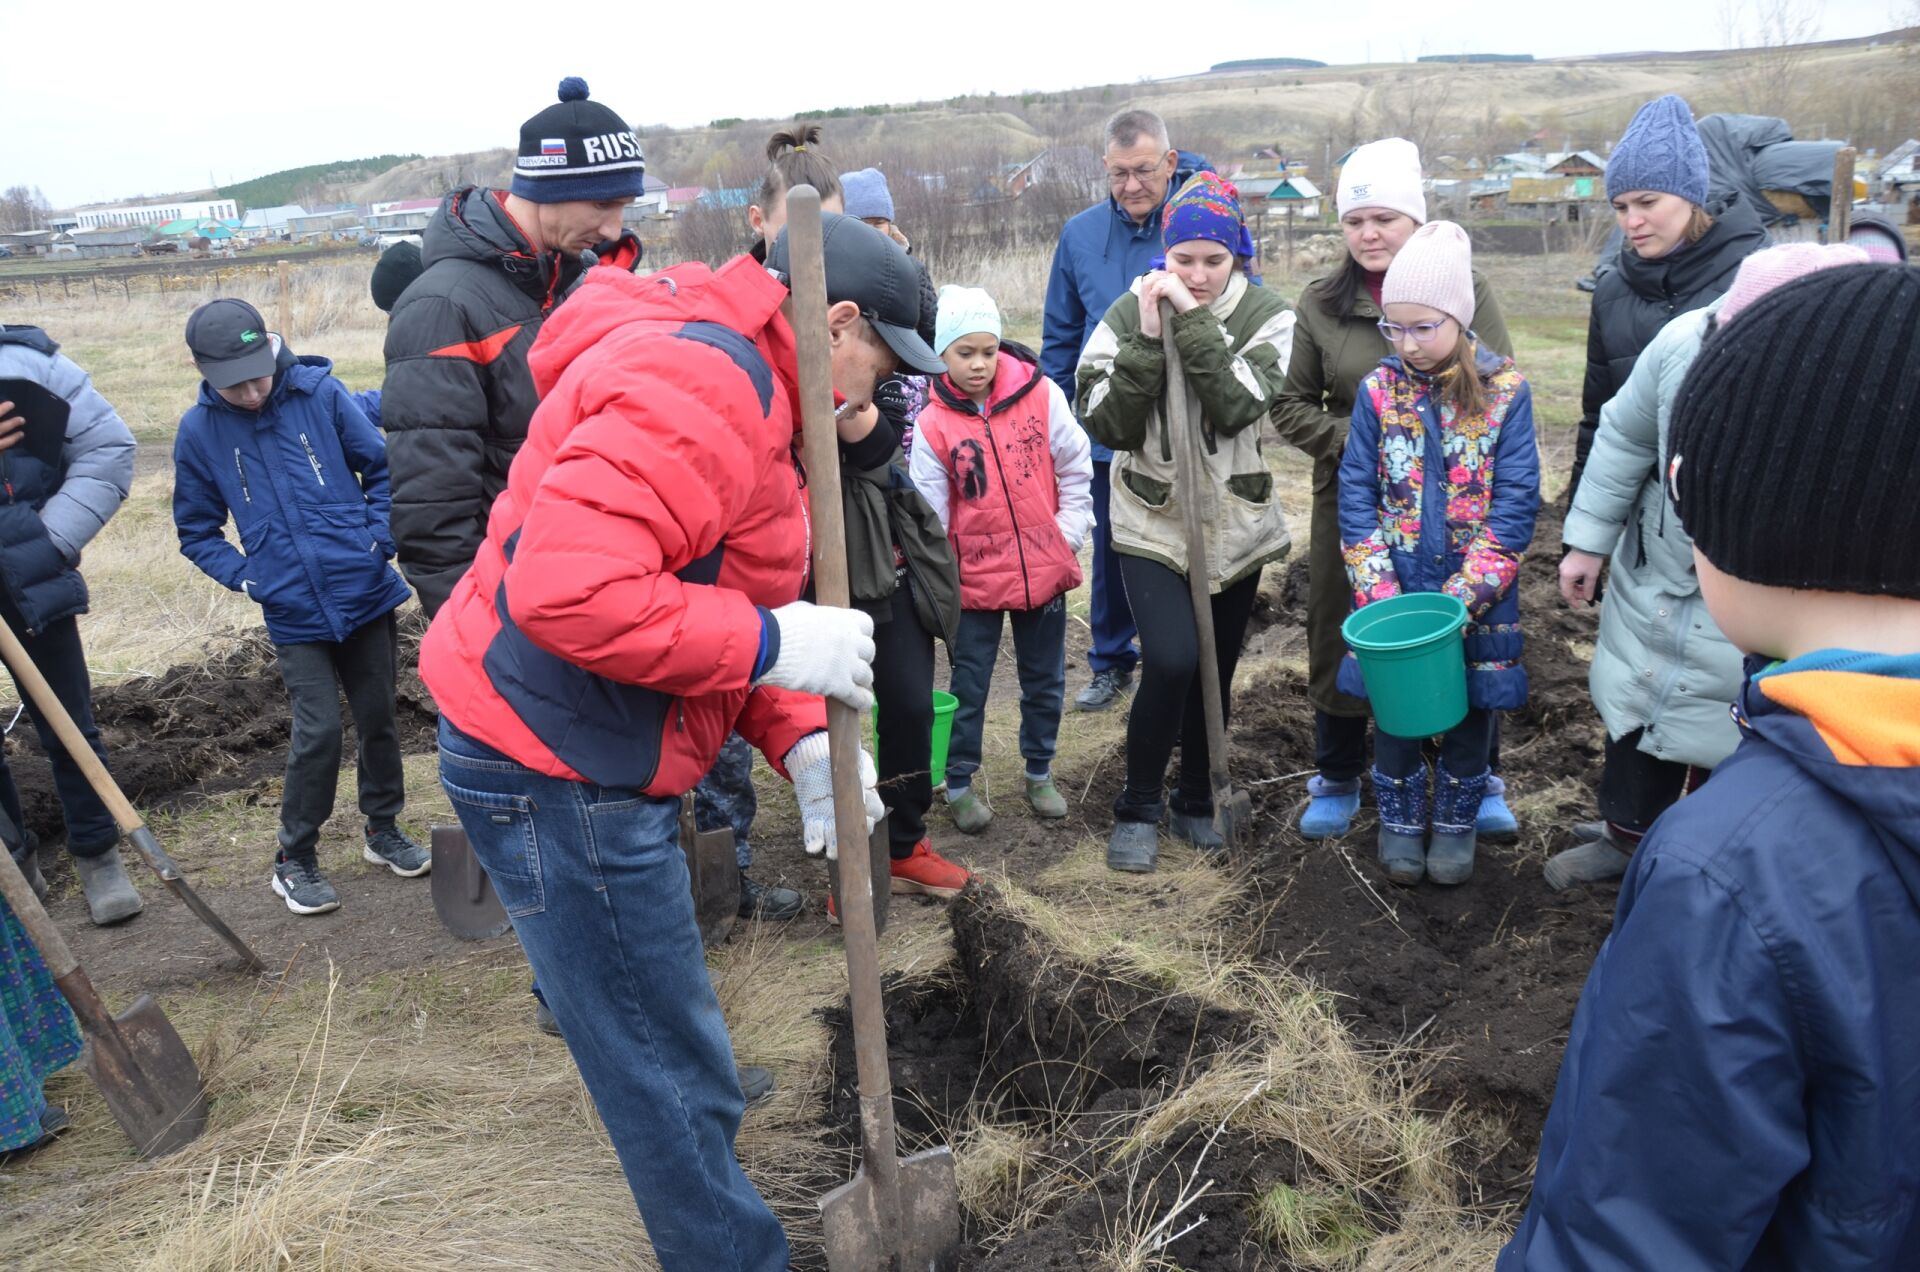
(944, 705)
(1412, 655)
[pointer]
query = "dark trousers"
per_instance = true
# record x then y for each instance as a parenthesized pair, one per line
(903, 694)
(57, 652)
(1167, 705)
(315, 674)
(1040, 655)
(1464, 748)
(1340, 746)
(1635, 788)
(1110, 613)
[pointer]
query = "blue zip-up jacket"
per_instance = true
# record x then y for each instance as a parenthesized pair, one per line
(1101, 251)
(1427, 508)
(47, 515)
(1741, 1089)
(305, 481)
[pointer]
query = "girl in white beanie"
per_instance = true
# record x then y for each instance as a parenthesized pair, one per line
(1439, 488)
(1335, 346)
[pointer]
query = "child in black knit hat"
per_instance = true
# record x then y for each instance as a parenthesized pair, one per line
(1740, 1084)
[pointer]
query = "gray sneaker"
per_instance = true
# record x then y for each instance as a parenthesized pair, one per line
(1102, 690)
(300, 884)
(1590, 861)
(390, 847)
(970, 812)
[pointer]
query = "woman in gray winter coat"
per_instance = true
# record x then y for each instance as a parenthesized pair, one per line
(1663, 674)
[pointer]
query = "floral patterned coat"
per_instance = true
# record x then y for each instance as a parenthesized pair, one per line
(1433, 503)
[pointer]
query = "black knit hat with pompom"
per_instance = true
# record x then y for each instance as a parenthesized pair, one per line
(578, 151)
(1795, 439)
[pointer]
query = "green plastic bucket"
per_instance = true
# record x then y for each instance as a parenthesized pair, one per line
(944, 705)
(1413, 657)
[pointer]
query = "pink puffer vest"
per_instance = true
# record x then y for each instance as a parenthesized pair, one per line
(1002, 494)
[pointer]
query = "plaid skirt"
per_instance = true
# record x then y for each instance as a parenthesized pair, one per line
(38, 1034)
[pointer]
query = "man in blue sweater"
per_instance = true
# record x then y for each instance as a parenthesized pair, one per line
(1101, 251)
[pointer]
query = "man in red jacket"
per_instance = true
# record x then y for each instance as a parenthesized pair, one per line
(637, 598)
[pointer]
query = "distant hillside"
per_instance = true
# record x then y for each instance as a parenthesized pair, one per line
(316, 181)
(1866, 90)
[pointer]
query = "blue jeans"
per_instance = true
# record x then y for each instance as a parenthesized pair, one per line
(1110, 615)
(1039, 654)
(596, 885)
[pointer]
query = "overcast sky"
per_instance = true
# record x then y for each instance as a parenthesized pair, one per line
(135, 104)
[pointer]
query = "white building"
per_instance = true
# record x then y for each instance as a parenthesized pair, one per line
(131, 214)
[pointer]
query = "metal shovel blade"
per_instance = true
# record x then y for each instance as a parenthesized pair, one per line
(148, 1077)
(929, 1220)
(713, 871)
(880, 854)
(463, 896)
(1233, 818)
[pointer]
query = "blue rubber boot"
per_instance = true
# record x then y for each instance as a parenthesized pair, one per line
(1404, 806)
(1495, 820)
(1330, 810)
(1456, 804)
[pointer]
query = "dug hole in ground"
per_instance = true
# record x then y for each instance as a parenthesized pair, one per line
(1285, 1062)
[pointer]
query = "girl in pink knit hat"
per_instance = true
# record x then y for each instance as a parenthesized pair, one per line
(1439, 488)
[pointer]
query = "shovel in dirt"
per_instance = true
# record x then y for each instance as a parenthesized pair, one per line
(1232, 809)
(151, 1085)
(28, 677)
(714, 869)
(896, 1215)
(464, 898)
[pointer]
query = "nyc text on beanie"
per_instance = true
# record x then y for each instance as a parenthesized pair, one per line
(1383, 174)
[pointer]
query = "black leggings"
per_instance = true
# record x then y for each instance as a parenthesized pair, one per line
(1166, 706)
(903, 685)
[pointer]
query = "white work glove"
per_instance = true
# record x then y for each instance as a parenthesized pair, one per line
(811, 768)
(824, 650)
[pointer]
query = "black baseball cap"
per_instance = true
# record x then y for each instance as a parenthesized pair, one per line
(875, 273)
(229, 343)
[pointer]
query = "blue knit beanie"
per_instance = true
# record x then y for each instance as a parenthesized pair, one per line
(1660, 151)
(865, 194)
(578, 151)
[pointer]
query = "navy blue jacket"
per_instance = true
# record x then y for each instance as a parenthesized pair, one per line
(1742, 1084)
(1101, 251)
(305, 481)
(48, 514)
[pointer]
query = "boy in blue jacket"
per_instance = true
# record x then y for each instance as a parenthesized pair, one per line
(280, 446)
(1742, 1082)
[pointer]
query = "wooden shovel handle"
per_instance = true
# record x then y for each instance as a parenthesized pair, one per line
(1187, 475)
(28, 677)
(807, 312)
(67, 972)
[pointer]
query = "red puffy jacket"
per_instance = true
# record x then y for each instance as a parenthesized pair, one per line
(610, 626)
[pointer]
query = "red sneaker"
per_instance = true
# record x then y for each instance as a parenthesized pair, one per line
(927, 872)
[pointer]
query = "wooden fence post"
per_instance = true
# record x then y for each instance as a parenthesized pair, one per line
(1840, 198)
(285, 322)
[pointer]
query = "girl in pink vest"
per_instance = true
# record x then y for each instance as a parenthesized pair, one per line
(1000, 456)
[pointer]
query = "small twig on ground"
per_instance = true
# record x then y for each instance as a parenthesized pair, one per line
(1269, 781)
(1408, 1040)
(1155, 1238)
(1393, 916)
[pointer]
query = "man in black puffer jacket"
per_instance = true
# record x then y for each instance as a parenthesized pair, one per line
(458, 394)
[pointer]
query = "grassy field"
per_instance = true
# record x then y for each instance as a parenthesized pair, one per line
(409, 1118)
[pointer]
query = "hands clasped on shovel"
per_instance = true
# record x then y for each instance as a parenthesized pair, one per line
(828, 651)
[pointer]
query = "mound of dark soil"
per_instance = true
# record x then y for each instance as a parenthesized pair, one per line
(199, 729)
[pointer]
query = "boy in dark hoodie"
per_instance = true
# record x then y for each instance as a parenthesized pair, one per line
(1740, 1086)
(279, 446)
